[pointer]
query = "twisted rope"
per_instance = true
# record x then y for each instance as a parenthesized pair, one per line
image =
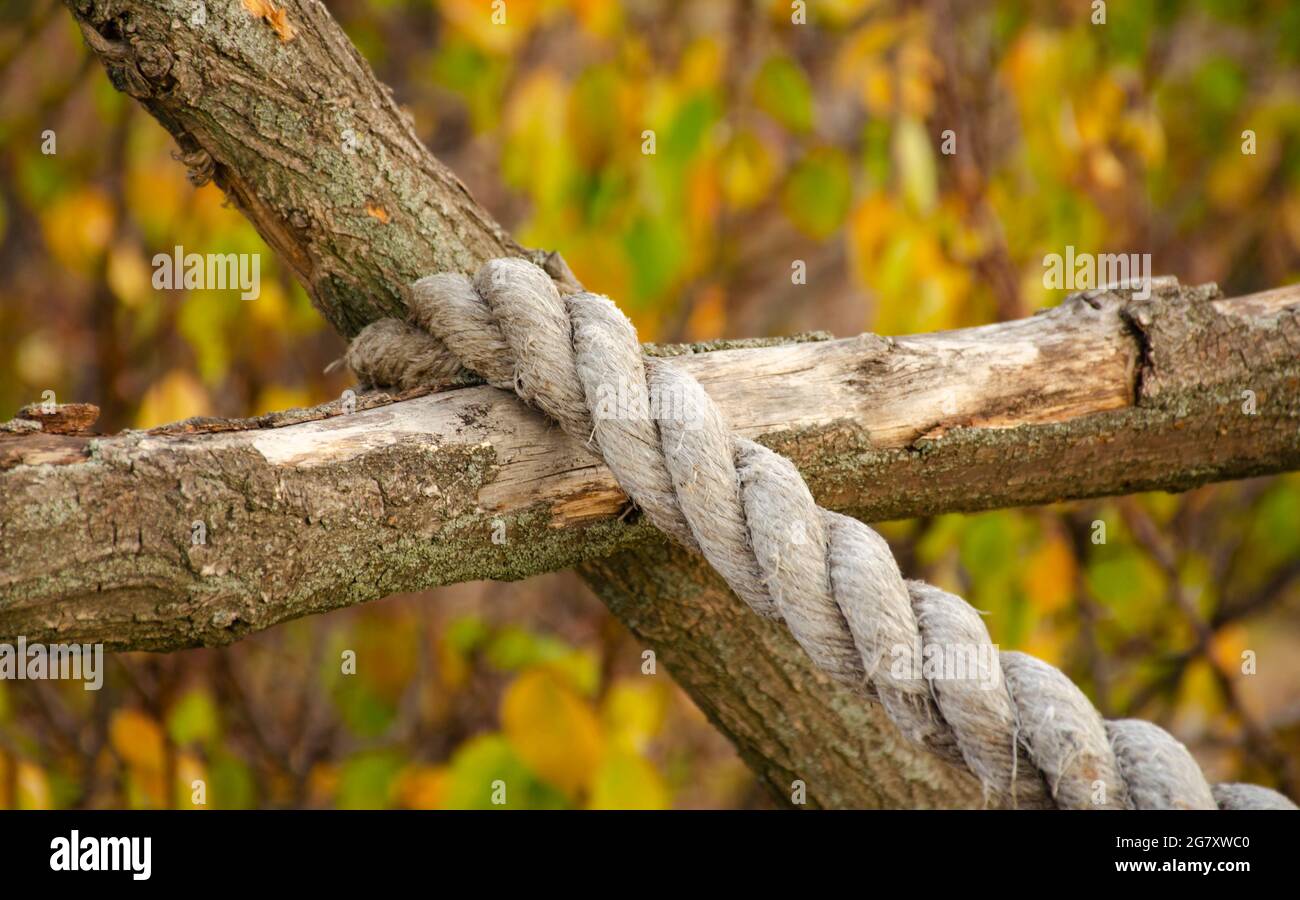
(1022, 728)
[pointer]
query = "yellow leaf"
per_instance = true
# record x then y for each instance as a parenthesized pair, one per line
(78, 228)
(495, 28)
(422, 787)
(747, 170)
(33, 786)
(702, 200)
(708, 318)
(322, 784)
(39, 358)
(137, 738)
(919, 70)
(627, 781)
(178, 395)
(633, 712)
(598, 17)
(1227, 646)
(1199, 696)
(274, 398)
(871, 226)
(1049, 575)
(552, 729)
(1048, 644)
(537, 154)
(1236, 179)
(189, 769)
(128, 275)
(914, 157)
(701, 65)
(1097, 113)
(1145, 133)
(1105, 168)
(272, 310)
(878, 89)
(453, 666)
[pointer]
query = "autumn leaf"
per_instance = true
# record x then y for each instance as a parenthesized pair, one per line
(177, 395)
(819, 192)
(137, 738)
(628, 781)
(632, 713)
(33, 787)
(421, 787)
(552, 729)
(1049, 575)
(23, 785)
(783, 91)
(189, 770)
(276, 17)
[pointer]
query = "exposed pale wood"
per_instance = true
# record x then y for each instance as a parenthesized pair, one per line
(406, 495)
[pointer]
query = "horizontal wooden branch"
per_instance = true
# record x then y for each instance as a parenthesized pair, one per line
(200, 535)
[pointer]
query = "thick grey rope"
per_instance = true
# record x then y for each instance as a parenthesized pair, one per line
(1022, 728)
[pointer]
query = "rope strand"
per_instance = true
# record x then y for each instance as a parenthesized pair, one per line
(1020, 726)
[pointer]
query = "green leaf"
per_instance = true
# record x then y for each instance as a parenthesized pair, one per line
(364, 712)
(1220, 86)
(514, 648)
(467, 633)
(367, 779)
(941, 536)
(486, 759)
(193, 719)
(232, 783)
(818, 192)
(686, 132)
(1129, 584)
(781, 90)
(627, 781)
(657, 251)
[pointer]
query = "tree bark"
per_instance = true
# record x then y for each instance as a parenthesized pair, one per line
(203, 532)
(304, 139)
(311, 147)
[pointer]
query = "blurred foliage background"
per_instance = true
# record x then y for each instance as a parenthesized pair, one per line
(774, 142)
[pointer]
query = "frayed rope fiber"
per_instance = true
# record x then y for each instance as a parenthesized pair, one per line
(1022, 728)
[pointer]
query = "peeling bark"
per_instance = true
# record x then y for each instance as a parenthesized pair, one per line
(100, 534)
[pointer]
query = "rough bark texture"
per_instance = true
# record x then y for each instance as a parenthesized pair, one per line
(305, 140)
(312, 148)
(204, 532)
(788, 720)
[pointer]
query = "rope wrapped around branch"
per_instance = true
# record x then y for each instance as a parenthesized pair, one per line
(1020, 726)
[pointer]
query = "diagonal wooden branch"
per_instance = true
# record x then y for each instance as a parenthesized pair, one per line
(97, 537)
